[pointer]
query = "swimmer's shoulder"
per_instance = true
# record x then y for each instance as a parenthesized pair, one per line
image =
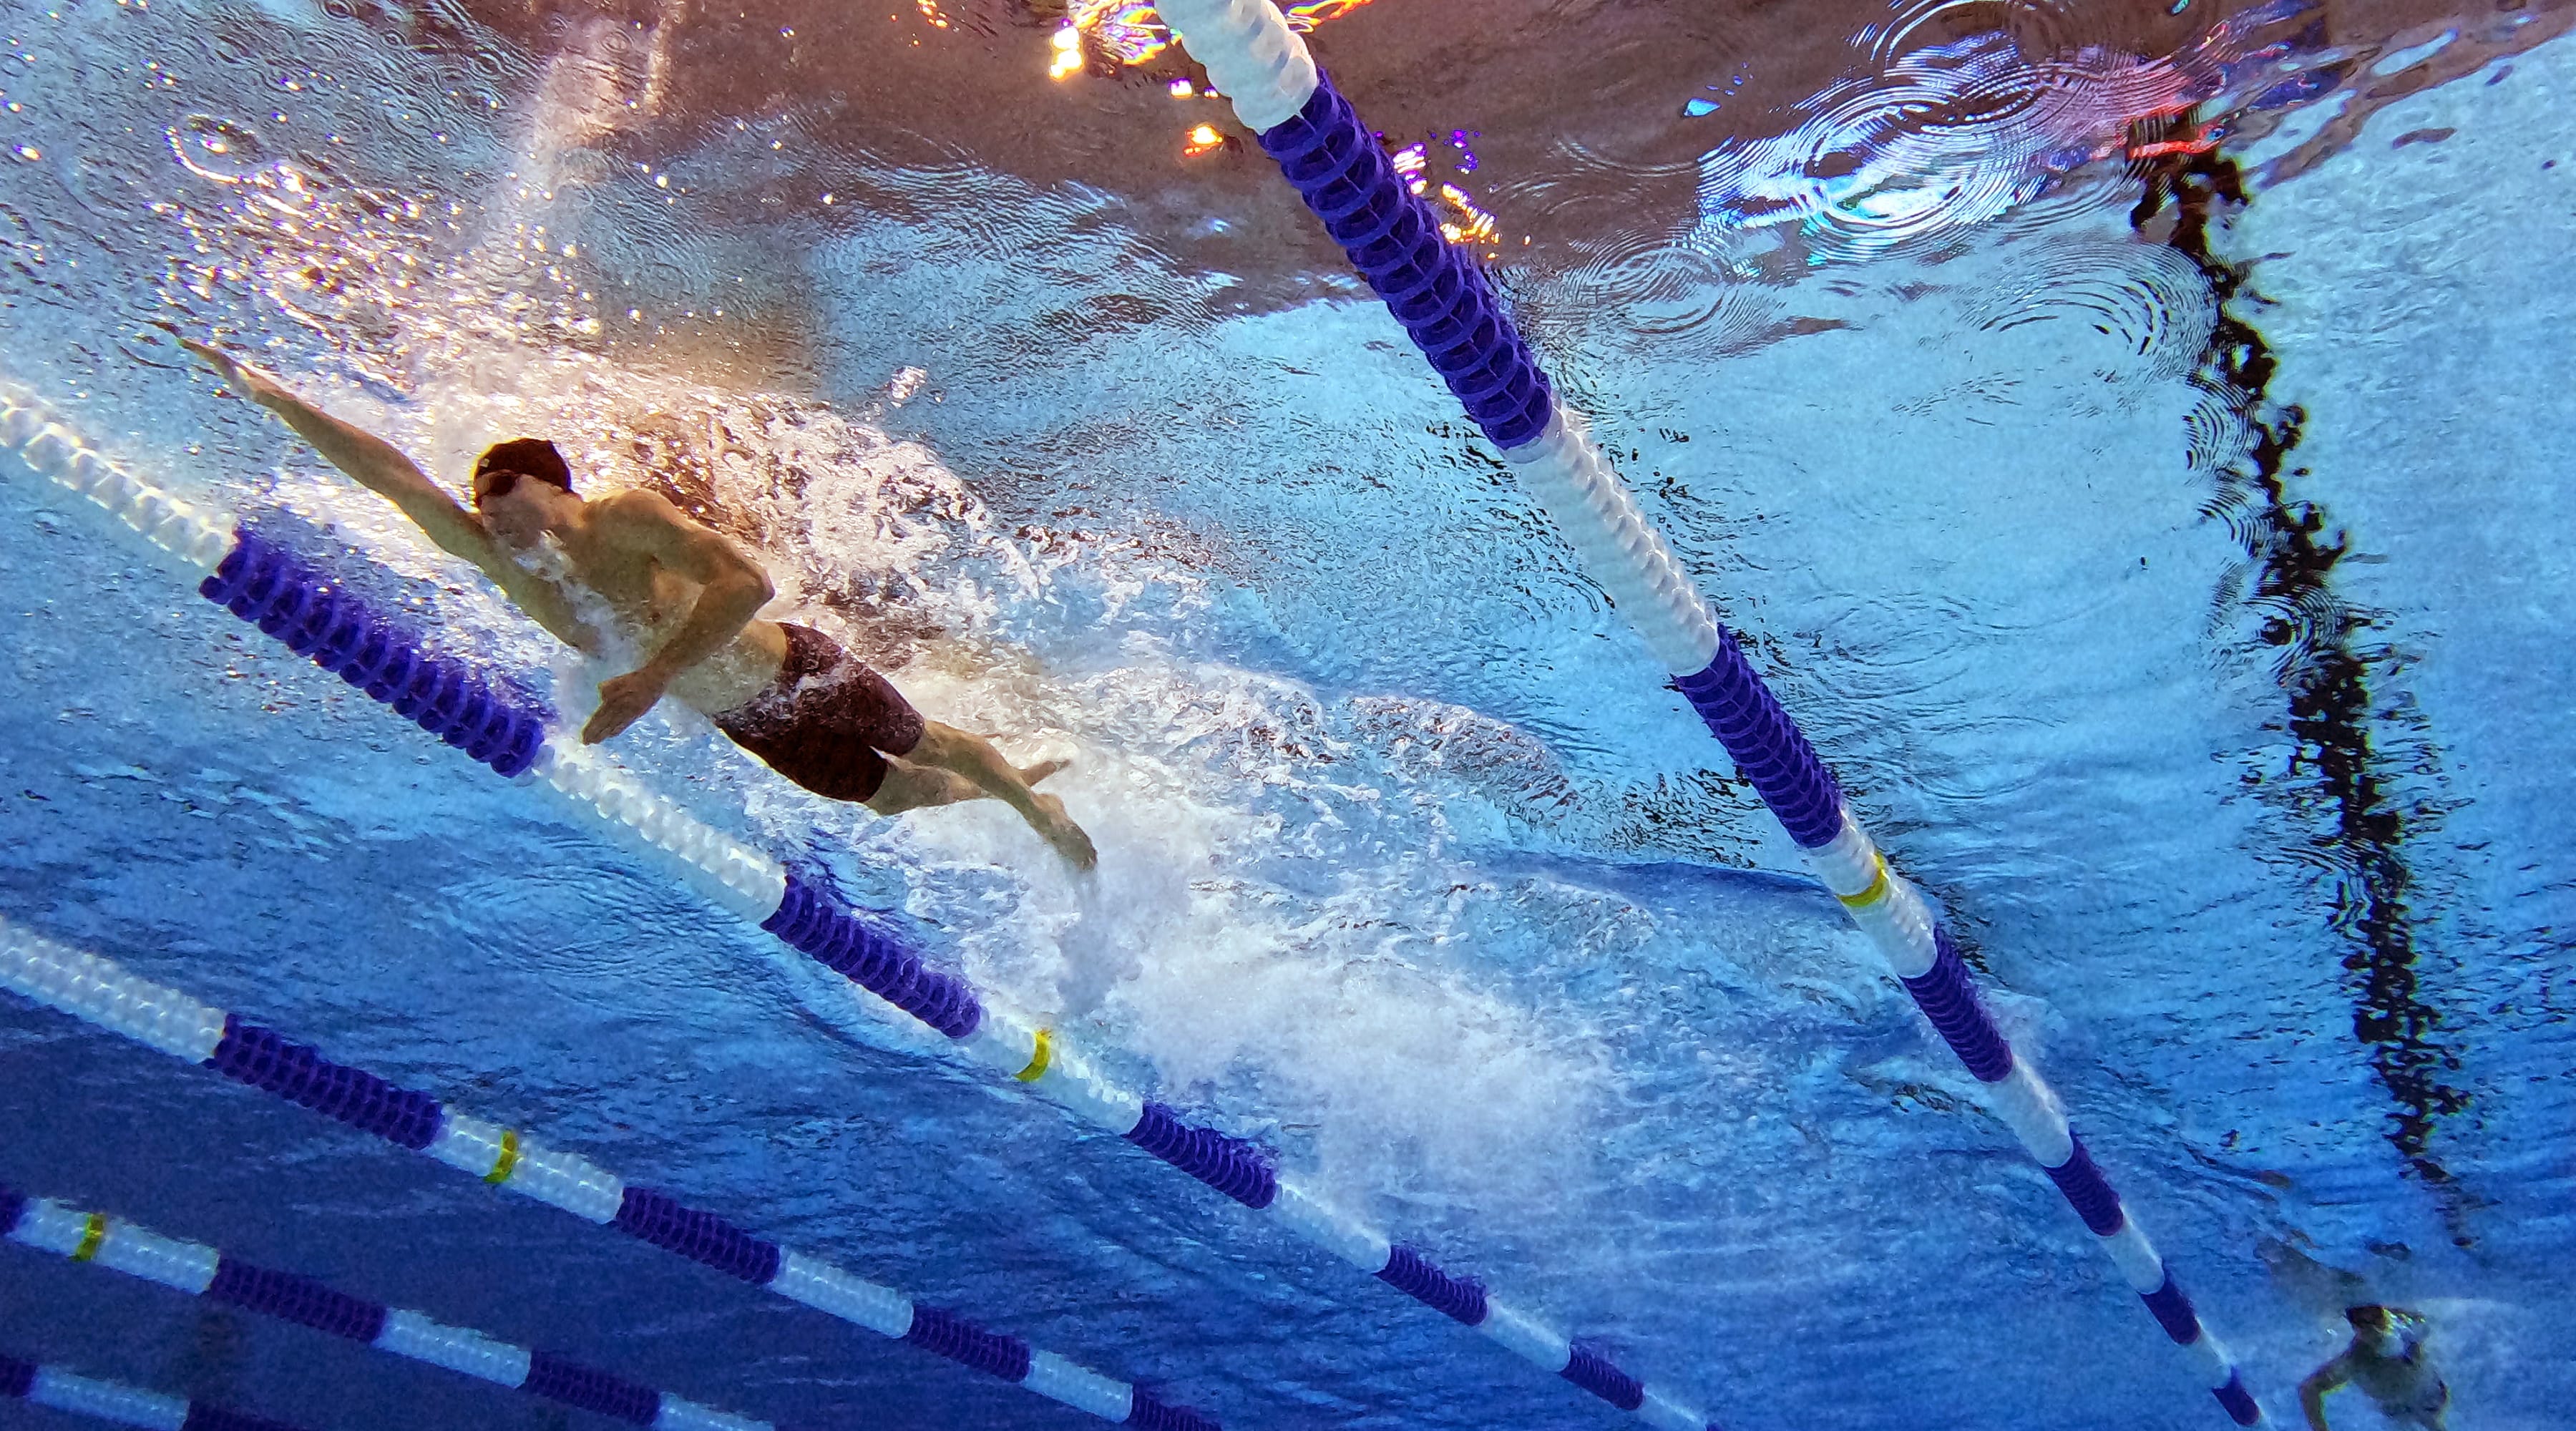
(643, 522)
(636, 509)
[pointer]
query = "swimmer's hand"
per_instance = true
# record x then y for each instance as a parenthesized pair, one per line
(251, 382)
(623, 700)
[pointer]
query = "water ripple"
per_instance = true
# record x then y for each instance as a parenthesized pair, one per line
(1947, 131)
(2145, 297)
(1658, 287)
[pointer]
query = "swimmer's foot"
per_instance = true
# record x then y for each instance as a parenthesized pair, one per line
(1032, 774)
(1058, 829)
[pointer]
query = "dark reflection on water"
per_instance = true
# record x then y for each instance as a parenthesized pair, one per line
(2353, 764)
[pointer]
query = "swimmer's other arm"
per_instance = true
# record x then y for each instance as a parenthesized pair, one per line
(2312, 1392)
(381, 468)
(731, 590)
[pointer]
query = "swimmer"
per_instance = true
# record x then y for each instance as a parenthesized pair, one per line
(2387, 1359)
(786, 693)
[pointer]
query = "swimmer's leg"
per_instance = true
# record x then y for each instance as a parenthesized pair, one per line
(963, 753)
(919, 787)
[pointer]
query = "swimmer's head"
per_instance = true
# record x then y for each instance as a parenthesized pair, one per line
(523, 488)
(2375, 1327)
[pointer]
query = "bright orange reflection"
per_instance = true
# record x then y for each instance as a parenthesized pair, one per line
(1411, 162)
(1133, 32)
(1473, 224)
(1128, 29)
(1461, 221)
(1315, 12)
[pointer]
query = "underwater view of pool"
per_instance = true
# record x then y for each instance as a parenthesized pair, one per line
(2129, 441)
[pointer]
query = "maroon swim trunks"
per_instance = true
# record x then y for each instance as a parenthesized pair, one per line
(824, 720)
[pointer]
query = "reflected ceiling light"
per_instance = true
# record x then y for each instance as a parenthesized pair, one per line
(1315, 12)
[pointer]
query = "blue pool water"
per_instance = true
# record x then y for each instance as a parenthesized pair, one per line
(2241, 760)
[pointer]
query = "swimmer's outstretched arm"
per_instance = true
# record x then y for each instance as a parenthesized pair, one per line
(2312, 1392)
(381, 467)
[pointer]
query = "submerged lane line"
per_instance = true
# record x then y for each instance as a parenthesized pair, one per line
(1442, 299)
(98, 990)
(302, 606)
(67, 1390)
(203, 1271)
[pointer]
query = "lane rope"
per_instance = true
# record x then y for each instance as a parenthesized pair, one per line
(1441, 297)
(66, 1390)
(99, 991)
(203, 1271)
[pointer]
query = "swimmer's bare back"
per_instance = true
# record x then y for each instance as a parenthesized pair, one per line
(688, 595)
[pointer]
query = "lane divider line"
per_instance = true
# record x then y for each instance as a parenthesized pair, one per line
(203, 1271)
(1441, 297)
(113, 1401)
(99, 991)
